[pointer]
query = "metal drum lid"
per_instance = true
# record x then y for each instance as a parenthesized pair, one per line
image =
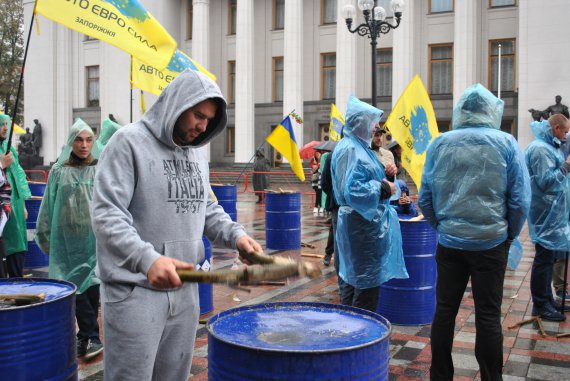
(53, 289)
(299, 327)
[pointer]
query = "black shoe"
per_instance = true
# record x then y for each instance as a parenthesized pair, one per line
(93, 349)
(558, 305)
(559, 296)
(548, 313)
(82, 347)
(327, 260)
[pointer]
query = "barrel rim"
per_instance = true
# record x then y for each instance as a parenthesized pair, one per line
(34, 305)
(375, 315)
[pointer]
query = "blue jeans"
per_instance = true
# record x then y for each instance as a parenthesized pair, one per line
(541, 277)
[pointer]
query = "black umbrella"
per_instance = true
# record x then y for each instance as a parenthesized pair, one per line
(325, 146)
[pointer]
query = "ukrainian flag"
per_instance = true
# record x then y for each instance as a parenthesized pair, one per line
(413, 125)
(150, 79)
(125, 24)
(336, 124)
(283, 140)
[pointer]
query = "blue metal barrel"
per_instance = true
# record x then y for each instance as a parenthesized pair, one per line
(298, 341)
(35, 257)
(37, 341)
(37, 188)
(412, 301)
(283, 221)
(206, 290)
(227, 198)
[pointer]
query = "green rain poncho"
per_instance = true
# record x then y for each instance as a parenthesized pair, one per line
(64, 221)
(108, 128)
(15, 231)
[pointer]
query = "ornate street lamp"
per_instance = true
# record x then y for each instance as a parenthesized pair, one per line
(373, 26)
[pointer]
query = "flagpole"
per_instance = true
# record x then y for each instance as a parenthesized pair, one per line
(131, 79)
(499, 75)
(8, 146)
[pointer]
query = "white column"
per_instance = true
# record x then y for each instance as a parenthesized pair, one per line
(465, 46)
(293, 64)
(403, 66)
(345, 60)
(244, 102)
(201, 39)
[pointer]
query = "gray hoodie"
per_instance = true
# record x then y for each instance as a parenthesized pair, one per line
(153, 197)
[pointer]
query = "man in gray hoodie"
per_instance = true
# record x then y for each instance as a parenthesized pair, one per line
(151, 205)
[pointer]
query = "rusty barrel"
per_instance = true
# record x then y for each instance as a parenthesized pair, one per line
(412, 301)
(283, 221)
(37, 341)
(298, 341)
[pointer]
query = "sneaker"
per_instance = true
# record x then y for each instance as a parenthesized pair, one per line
(315, 211)
(321, 211)
(557, 306)
(82, 347)
(327, 260)
(93, 349)
(559, 296)
(548, 313)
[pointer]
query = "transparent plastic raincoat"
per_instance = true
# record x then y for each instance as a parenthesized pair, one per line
(475, 207)
(368, 233)
(15, 231)
(64, 222)
(108, 129)
(549, 211)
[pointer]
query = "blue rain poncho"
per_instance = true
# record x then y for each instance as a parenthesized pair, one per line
(475, 187)
(64, 222)
(549, 212)
(368, 233)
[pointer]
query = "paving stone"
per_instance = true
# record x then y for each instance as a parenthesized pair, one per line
(548, 373)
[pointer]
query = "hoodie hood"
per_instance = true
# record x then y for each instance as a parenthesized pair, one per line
(361, 119)
(543, 131)
(184, 92)
(478, 107)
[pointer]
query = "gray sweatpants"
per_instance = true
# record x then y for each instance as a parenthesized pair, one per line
(149, 335)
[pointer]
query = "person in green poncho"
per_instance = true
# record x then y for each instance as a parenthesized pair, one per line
(15, 232)
(64, 231)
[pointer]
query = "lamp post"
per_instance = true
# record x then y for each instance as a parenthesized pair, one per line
(373, 26)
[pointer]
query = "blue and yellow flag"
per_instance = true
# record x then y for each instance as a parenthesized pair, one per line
(412, 124)
(283, 140)
(150, 79)
(125, 24)
(336, 124)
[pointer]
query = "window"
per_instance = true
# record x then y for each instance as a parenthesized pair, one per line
(384, 72)
(328, 12)
(508, 64)
(508, 126)
(232, 14)
(92, 86)
(231, 81)
(230, 140)
(501, 3)
(278, 14)
(189, 15)
(438, 6)
(441, 69)
(328, 75)
(277, 79)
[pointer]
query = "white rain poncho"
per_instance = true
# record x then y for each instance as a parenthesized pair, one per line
(368, 232)
(475, 207)
(64, 221)
(549, 210)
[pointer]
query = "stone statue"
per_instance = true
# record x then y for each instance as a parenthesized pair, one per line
(26, 146)
(37, 137)
(557, 108)
(538, 115)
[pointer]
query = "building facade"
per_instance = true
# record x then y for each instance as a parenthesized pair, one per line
(275, 56)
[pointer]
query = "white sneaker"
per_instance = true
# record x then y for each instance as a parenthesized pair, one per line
(315, 211)
(321, 212)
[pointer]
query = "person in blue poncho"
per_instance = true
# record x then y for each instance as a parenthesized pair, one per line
(475, 191)
(549, 210)
(368, 235)
(404, 206)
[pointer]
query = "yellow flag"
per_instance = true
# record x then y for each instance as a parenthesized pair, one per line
(283, 140)
(152, 80)
(336, 124)
(412, 124)
(125, 24)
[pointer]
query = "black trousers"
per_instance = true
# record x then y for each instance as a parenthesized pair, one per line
(15, 264)
(86, 312)
(487, 271)
(3, 265)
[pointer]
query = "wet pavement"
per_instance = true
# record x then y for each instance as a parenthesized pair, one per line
(527, 354)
